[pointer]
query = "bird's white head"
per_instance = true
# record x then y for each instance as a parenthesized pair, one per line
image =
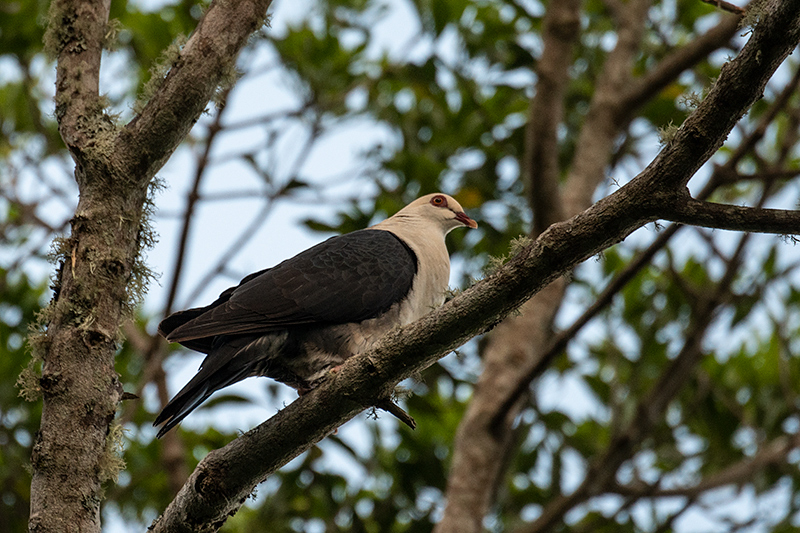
(437, 208)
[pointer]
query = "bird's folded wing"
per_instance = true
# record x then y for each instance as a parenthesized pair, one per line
(345, 279)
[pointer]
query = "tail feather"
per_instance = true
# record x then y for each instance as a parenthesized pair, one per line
(226, 363)
(229, 360)
(191, 396)
(181, 405)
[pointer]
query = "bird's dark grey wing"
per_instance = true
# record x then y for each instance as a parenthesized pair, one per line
(345, 279)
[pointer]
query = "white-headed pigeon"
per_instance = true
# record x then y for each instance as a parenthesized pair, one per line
(297, 320)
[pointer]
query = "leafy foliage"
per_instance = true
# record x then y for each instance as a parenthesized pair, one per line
(455, 100)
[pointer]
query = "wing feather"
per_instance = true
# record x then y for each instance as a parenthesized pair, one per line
(345, 279)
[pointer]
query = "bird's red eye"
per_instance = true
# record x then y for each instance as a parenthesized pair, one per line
(439, 201)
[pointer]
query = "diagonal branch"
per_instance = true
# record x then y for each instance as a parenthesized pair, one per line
(726, 6)
(676, 62)
(602, 472)
(740, 84)
(226, 476)
(205, 61)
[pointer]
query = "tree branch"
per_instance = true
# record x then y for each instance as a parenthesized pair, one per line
(740, 84)
(483, 434)
(676, 62)
(98, 261)
(561, 31)
(733, 217)
(206, 60)
(602, 125)
(601, 474)
(723, 174)
(76, 32)
(726, 6)
(772, 453)
(476, 470)
(226, 476)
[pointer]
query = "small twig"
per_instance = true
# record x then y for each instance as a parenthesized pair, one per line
(392, 408)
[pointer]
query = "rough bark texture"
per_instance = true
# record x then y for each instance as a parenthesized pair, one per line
(113, 169)
(78, 382)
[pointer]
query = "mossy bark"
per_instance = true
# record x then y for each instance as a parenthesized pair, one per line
(99, 273)
(79, 385)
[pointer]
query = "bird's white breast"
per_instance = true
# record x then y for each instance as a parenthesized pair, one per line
(433, 274)
(427, 290)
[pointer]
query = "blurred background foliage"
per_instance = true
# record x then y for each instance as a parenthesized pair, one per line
(451, 104)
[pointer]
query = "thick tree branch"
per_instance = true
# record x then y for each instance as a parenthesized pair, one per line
(78, 382)
(75, 33)
(476, 469)
(561, 31)
(205, 61)
(741, 82)
(601, 127)
(723, 174)
(226, 476)
(92, 290)
(733, 217)
(521, 342)
(601, 474)
(483, 437)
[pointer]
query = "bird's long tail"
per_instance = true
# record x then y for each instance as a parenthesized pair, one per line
(190, 397)
(225, 365)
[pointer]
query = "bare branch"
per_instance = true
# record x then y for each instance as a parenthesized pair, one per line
(675, 63)
(476, 470)
(733, 217)
(191, 201)
(207, 58)
(772, 453)
(602, 124)
(233, 248)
